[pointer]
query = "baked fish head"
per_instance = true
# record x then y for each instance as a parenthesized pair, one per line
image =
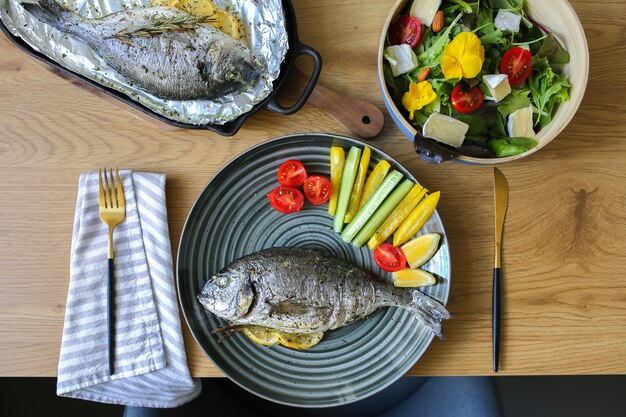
(228, 294)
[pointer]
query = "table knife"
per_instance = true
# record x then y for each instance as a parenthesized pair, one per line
(501, 201)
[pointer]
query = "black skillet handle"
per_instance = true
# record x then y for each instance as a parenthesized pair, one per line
(300, 49)
(496, 318)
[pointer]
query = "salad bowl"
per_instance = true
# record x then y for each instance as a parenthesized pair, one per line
(559, 18)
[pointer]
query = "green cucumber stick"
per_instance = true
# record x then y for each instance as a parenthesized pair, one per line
(383, 212)
(363, 215)
(347, 182)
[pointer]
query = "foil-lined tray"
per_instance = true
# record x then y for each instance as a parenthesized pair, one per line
(264, 31)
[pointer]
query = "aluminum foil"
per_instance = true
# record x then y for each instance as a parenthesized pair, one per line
(264, 31)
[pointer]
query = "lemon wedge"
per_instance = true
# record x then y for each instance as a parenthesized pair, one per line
(419, 250)
(300, 341)
(262, 335)
(413, 278)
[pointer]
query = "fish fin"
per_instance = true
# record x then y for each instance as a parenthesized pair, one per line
(50, 12)
(225, 332)
(428, 311)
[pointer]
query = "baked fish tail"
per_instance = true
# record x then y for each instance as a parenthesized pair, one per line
(428, 311)
(52, 13)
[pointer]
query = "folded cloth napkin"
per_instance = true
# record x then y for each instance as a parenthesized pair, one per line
(150, 363)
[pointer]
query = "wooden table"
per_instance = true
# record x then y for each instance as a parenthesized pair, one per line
(565, 236)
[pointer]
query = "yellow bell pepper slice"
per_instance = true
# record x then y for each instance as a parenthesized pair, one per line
(359, 183)
(397, 216)
(416, 219)
(374, 180)
(337, 161)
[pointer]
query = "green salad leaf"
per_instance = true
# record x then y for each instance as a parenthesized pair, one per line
(552, 49)
(518, 99)
(547, 88)
(433, 52)
(511, 5)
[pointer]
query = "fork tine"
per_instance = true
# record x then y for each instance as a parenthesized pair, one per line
(120, 190)
(107, 190)
(101, 199)
(113, 188)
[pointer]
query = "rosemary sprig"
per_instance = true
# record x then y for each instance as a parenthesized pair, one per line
(178, 23)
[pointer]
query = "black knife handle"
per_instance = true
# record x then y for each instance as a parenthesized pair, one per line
(496, 318)
(111, 316)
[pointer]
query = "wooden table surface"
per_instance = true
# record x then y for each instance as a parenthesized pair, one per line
(564, 253)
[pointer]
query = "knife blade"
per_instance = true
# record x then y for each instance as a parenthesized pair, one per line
(501, 202)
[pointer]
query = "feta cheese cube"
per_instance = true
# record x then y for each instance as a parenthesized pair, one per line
(445, 129)
(520, 123)
(498, 85)
(401, 59)
(425, 10)
(506, 20)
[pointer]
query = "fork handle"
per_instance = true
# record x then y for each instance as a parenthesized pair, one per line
(111, 316)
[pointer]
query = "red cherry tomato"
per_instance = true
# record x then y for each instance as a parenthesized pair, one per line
(317, 189)
(390, 258)
(292, 173)
(405, 29)
(466, 101)
(517, 64)
(286, 199)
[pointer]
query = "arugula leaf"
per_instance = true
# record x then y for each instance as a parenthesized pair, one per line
(511, 5)
(546, 89)
(431, 57)
(518, 99)
(552, 49)
(466, 8)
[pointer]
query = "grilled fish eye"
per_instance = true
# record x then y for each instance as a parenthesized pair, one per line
(222, 281)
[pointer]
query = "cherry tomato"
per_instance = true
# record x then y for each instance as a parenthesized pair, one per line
(517, 64)
(405, 29)
(292, 173)
(465, 101)
(286, 199)
(390, 258)
(317, 189)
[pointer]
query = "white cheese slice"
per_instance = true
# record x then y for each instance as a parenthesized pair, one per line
(520, 123)
(498, 85)
(445, 129)
(401, 59)
(425, 10)
(506, 20)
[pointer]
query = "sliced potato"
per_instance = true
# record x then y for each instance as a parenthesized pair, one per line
(228, 24)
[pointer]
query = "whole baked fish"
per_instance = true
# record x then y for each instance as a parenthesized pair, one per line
(165, 51)
(305, 291)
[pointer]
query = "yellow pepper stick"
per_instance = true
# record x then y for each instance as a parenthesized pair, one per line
(416, 219)
(337, 161)
(374, 180)
(397, 216)
(357, 191)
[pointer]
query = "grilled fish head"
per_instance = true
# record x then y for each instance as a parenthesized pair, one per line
(229, 66)
(229, 294)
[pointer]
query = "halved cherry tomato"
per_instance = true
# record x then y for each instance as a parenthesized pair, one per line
(317, 189)
(405, 29)
(390, 258)
(286, 199)
(466, 101)
(517, 64)
(292, 173)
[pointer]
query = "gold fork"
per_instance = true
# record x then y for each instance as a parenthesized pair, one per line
(112, 212)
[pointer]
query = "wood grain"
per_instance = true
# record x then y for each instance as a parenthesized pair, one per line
(564, 253)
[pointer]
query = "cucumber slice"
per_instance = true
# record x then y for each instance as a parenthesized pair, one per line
(382, 213)
(364, 214)
(347, 182)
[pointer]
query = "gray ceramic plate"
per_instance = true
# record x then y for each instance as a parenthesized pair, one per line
(233, 218)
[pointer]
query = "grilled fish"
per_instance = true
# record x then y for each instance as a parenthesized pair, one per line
(306, 291)
(165, 51)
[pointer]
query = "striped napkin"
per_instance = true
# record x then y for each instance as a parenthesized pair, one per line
(150, 363)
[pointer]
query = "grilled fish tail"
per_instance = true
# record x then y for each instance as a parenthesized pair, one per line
(52, 13)
(428, 311)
